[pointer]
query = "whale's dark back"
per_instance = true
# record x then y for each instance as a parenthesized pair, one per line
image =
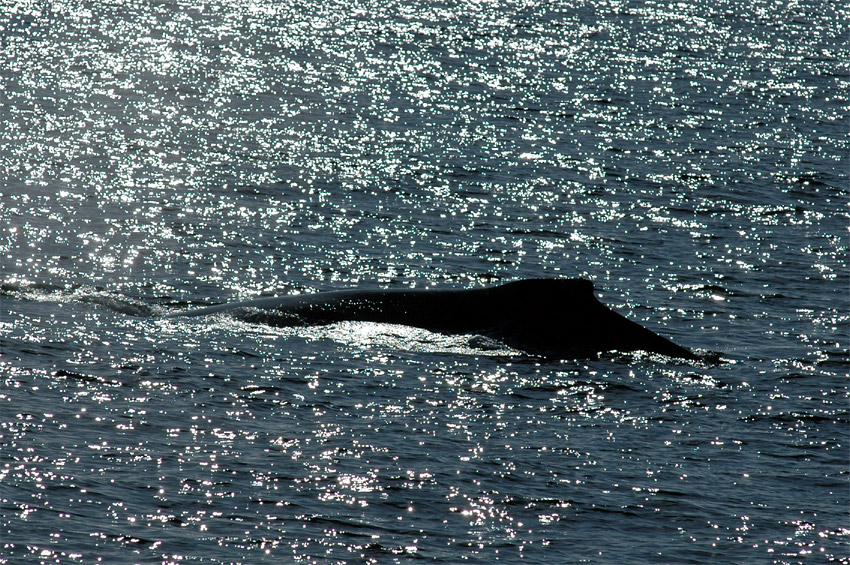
(549, 317)
(552, 317)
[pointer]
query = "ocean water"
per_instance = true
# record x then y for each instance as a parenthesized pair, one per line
(689, 158)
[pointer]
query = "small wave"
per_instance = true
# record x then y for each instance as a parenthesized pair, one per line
(41, 292)
(116, 303)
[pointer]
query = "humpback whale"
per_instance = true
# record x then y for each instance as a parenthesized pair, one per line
(552, 318)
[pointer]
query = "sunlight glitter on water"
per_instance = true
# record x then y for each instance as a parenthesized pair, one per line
(688, 158)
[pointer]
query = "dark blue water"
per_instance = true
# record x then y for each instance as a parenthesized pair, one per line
(689, 158)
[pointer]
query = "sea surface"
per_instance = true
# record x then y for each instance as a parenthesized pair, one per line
(690, 158)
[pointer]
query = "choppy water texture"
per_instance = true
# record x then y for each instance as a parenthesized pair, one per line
(690, 158)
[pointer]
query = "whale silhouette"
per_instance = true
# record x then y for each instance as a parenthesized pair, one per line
(553, 318)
